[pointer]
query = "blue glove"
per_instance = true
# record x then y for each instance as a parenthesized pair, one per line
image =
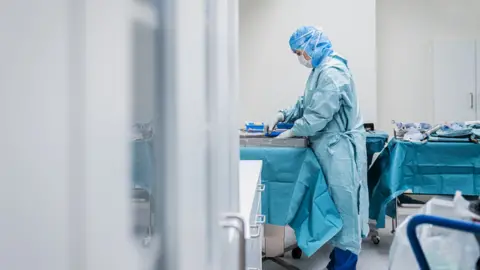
(271, 125)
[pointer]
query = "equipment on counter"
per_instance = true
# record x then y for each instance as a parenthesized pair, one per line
(254, 127)
(257, 127)
(448, 132)
(369, 127)
(258, 134)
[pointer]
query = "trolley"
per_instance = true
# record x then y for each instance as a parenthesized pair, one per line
(466, 226)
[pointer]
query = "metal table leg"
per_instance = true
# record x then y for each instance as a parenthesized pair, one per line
(278, 260)
(373, 232)
(282, 263)
(395, 219)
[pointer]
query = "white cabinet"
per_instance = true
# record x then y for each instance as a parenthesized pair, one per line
(456, 74)
(251, 210)
(255, 238)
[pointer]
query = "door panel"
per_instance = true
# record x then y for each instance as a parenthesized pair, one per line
(454, 80)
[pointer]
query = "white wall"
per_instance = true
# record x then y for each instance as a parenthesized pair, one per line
(271, 77)
(405, 33)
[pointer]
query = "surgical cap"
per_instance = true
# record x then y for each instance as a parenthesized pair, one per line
(313, 41)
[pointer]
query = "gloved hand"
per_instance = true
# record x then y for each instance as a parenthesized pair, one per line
(278, 118)
(285, 135)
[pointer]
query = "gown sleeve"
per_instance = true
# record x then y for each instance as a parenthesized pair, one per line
(324, 104)
(294, 112)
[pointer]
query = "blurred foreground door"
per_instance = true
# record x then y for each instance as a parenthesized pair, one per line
(65, 83)
(198, 56)
(105, 104)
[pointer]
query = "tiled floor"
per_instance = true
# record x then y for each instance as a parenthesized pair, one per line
(372, 257)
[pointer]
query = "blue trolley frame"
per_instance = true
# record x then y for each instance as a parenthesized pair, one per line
(466, 226)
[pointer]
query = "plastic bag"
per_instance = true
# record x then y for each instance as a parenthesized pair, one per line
(443, 248)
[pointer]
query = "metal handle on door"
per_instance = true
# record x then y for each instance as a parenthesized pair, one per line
(254, 231)
(471, 100)
(236, 222)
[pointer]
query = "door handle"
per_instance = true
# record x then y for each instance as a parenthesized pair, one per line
(255, 231)
(235, 221)
(471, 100)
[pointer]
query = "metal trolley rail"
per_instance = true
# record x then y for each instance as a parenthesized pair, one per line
(466, 226)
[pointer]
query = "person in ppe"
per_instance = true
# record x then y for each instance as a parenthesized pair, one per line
(328, 114)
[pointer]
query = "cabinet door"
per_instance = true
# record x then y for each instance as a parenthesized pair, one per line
(223, 146)
(454, 80)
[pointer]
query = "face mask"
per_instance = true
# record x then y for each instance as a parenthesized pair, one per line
(305, 62)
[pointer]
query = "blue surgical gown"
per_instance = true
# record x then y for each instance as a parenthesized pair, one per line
(328, 114)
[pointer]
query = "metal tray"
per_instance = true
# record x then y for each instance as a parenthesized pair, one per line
(259, 140)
